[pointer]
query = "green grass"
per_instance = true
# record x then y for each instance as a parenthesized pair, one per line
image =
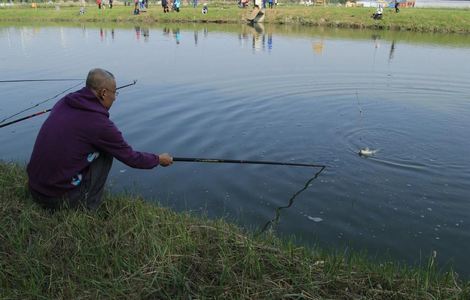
(409, 19)
(133, 249)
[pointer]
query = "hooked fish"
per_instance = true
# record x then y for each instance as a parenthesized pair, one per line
(367, 152)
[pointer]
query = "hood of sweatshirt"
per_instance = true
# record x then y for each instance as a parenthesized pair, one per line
(85, 99)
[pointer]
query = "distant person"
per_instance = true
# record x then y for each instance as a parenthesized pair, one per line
(75, 147)
(270, 3)
(165, 6)
(110, 3)
(176, 5)
(397, 4)
(378, 13)
(99, 3)
(243, 3)
(194, 3)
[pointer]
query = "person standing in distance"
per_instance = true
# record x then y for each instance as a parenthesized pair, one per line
(75, 147)
(397, 6)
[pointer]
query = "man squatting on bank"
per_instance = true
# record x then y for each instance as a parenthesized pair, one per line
(74, 149)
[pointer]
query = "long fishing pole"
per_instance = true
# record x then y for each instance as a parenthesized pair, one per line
(234, 161)
(48, 110)
(44, 80)
(39, 103)
(25, 118)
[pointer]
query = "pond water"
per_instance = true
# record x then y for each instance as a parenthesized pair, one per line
(287, 94)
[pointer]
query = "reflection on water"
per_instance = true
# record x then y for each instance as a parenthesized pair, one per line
(175, 34)
(260, 40)
(392, 50)
(318, 47)
(277, 93)
(255, 35)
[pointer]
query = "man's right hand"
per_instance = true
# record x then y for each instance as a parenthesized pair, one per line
(165, 159)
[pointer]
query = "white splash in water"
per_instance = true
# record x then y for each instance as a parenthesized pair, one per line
(367, 152)
(315, 219)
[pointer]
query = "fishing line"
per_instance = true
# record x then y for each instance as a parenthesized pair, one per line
(36, 80)
(360, 112)
(275, 221)
(42, 102)
(232, 161)
(358, 103)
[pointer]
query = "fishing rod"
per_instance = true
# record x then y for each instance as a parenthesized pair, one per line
(36, 80)
(48, 110)
(234, 161)
(124, 86)
(25, 118)
(39, 103)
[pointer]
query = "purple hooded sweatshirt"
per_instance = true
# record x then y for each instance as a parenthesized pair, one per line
(77, 128)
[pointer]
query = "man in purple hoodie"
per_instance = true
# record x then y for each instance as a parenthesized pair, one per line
(75, 147)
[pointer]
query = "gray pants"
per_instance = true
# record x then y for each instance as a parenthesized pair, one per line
(88, 194)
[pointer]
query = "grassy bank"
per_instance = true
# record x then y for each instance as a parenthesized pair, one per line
(132, 249)
(409, 19)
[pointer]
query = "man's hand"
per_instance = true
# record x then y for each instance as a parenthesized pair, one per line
(165, 159)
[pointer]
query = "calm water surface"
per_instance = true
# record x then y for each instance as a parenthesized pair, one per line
(283, 94)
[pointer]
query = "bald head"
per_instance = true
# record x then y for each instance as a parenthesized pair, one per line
(98, 79)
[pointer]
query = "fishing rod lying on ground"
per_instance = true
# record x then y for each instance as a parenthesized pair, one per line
(234, 161)
(48, 110)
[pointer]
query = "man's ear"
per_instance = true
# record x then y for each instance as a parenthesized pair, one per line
(100, 97)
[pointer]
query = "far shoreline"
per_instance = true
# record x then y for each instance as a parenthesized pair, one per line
(435, 20)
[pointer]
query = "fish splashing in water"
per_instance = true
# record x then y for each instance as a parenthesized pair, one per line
(367, 152)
